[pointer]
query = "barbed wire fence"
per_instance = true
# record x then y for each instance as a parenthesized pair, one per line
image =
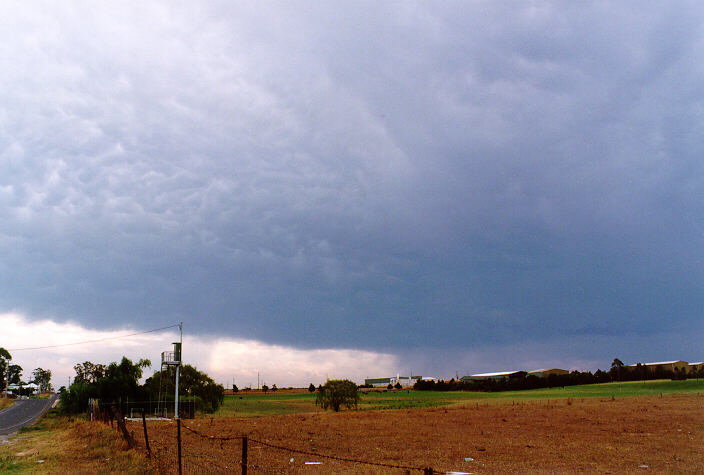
(185, 448)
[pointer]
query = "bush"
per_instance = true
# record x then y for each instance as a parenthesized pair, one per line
(311, 388)
(75, 399)
(337, 393)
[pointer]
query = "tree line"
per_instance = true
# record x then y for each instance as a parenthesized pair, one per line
(522, 380)
(12, 374)
(119, 383)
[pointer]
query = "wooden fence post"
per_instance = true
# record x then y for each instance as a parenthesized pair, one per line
(146, 437)
(178, 437)
(121, 425)
(244, 455)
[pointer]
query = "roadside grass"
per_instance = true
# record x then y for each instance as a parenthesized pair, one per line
(61, 444)
(5, 402)
(256, 405)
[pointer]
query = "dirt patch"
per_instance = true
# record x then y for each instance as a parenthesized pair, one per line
(622, 435)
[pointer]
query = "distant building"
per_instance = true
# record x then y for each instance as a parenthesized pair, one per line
(14, 389)
(495, 376)
(678, 365)
(544, 373)
(404, 381)
(694, 367)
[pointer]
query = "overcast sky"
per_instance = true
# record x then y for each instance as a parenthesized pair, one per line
(431, 186)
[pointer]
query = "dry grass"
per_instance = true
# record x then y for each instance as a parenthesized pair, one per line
(57, 444)
(662, 434)
(5, 402)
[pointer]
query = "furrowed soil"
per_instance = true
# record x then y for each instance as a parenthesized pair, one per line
(634, 434)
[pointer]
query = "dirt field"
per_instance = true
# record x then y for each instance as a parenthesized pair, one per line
(663, 434)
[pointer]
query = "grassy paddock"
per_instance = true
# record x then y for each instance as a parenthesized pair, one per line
(253, 405)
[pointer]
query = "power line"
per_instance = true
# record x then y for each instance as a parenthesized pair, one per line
(93, 341)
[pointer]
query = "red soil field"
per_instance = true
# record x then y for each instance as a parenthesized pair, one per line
(661, 434)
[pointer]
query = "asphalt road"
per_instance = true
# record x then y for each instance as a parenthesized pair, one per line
(23, 413)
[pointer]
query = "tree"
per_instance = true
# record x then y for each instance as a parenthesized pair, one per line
(235, 388)
(616, 367)
(89, 372)
(5, 358)
(311, 388)
(121, 381)
(42, 377)
(14, 374)
(265, 388)
(337, 393)
(273, 387)
(118, 382)
(207, 393)
(397, 386)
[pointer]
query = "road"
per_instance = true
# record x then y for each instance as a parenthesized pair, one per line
(23, 413)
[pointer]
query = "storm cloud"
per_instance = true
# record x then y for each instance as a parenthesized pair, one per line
(446, 176)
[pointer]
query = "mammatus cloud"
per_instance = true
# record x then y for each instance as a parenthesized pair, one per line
(454, 177)
(222, 358)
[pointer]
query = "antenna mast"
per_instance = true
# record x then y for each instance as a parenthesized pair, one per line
(177, 357)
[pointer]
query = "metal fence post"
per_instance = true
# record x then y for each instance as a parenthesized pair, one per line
(178, 436)
(244, 455)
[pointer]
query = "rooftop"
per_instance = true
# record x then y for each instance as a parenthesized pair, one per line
(500, 373)
(658, 363)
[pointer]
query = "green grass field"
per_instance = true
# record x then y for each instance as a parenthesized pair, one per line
(253, 405)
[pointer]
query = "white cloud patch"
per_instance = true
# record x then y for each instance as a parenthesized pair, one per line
(221, 358)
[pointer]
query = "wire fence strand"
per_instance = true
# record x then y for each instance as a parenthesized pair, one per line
(301, 451)
(211, 437)
(335, 457)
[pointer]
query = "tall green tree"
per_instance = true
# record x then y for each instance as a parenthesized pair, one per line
(121, 380)
(14, 374)
(5, 358)
(616, 369)
(42, 378)
(89, 372)
(208, 394)
(118, 382)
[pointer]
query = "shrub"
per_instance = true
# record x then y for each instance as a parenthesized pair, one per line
(337, 393)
